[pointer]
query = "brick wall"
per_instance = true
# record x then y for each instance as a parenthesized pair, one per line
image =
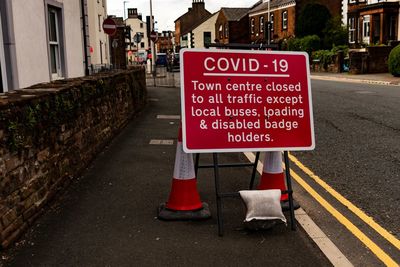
(50, 132)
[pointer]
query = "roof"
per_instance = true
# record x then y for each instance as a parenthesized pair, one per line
(234, 13)
(199, 23)
(273, 4)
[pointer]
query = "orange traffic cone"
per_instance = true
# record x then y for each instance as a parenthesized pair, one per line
(274, 178)
(184, 200)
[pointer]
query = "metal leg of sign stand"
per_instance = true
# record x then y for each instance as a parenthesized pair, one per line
(289, 191)
(253, 175)
(218, 193)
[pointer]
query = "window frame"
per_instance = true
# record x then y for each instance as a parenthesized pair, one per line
(60, 59)
(262, 23)
(54, 45)
(271, 20)
(352, 29)
(220, 31)
(285, 20)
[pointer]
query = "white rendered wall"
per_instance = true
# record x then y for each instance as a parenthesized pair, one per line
(30, 31)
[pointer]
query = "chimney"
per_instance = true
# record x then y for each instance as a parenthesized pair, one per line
(132, 13)
(198, 4)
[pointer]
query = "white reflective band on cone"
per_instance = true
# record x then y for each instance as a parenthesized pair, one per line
(273, 162)
(184, 166)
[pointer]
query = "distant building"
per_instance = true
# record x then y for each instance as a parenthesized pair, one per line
(139, 43)
(283, 15)
(99, 46)
(231, 26)
(165, 42)
(40, 41)
(372, 22)
(204, 33)
(184, 23)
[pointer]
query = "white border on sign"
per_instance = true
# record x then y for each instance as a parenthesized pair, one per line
(183, 121)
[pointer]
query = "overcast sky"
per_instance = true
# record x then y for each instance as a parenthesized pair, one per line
(165, 12)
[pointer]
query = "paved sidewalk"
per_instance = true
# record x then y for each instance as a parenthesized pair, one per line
(108, 216)
(378, 78)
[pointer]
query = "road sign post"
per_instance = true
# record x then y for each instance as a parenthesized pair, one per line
(246, 101)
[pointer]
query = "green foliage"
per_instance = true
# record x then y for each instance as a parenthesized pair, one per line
(335, 34)
(325, 57)
(294, 44)
(312, 20)
(394, 61)
(308, 44)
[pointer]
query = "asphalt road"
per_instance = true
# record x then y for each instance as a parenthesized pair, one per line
(357, 153)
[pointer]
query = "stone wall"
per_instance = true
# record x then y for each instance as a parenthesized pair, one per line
(50, 132)
(373, 60)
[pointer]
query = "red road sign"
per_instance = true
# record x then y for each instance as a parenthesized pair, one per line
(240, 100)
(109, 26)
(153, 36)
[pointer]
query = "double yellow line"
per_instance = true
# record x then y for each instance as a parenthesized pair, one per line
(383, 256)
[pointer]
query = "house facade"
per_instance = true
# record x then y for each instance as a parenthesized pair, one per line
(136, 51)
(372, 21)
(231, 26)
(99, 45)
(185, 23)
(204, 33)
(282, 15)
(52, 48)
(165, 42)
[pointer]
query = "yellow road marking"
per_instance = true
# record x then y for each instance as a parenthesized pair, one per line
(385, 258)
(368, 220)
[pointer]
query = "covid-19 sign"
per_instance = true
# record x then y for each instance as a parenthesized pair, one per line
(239, 100)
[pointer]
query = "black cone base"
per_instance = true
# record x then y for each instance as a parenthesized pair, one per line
(178, 215)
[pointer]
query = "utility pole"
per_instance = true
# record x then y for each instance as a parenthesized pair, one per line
(153, 54)
(125, 9)
(269, 25)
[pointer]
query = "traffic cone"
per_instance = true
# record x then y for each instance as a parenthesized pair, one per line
(274, 178)
(184, 200)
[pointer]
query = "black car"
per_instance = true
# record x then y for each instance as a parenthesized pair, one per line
(173, 62)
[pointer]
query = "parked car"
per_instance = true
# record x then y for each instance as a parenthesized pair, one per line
(173, 62)
(161, 59)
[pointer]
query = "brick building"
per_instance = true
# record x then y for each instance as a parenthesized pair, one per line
(232, 26)
(165, 42)
(372, 22)
(184, 23)
(283, 15)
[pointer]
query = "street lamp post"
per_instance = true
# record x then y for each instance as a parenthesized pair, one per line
(269, 25)
(153, 54)
(125, 9)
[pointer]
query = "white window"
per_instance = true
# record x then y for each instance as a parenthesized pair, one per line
(271, 21)
(366, 29)
(54, 24)
(100, 24)
(220, 31)
(352, 30)
(284, 20)
(261, 24)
